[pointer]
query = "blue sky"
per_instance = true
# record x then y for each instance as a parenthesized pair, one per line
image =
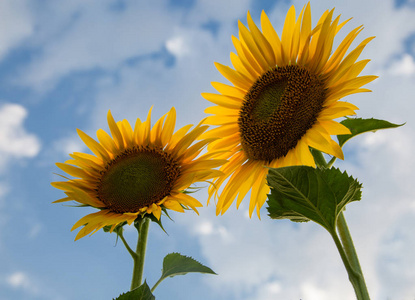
(64, 65)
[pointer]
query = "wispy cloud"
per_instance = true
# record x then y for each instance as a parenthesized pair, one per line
(15, 16)
(100, 37)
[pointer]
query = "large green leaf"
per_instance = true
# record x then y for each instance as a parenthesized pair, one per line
(141, 293)
(177, 264)
(302, 193)
(358, 126)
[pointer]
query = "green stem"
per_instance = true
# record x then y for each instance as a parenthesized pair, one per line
(353, 274)
(121, 235)
(319, 158)
(157, 283)
(138, 269)
(351, 253)
(331, 162)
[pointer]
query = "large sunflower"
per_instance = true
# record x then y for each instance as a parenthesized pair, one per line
(136, 171)
(283, 100)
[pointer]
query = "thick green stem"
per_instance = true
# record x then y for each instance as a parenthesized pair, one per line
(351, 253)
(319, 158)
(353, 274)
(140, 252)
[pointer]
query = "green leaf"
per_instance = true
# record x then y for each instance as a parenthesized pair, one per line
(302, 193)
(177, 264)
(141, 293)
(358, 126)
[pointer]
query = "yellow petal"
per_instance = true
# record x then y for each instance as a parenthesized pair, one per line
(228, 90)
(247, 40)
(155, 132)
(233, 76)
(173, 205)
(115, 131)
(223, 100)
(333, 127)
(156, 211)
(177, 136)
(107, 142)
(242, 68)
(73, 171)
(319, 142)
(127, 132)
(261, 42)
(287, 34)
(271, 35)
(95, 147)
(304, 154)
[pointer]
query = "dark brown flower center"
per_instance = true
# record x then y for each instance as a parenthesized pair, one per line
(278, 110)
(137, 178)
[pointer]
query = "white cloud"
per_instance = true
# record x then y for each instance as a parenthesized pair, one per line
(204, 228)
(30, 285)
(405, 66)
(15, 142)
(177, 46)
(15, 24)
(20, 280)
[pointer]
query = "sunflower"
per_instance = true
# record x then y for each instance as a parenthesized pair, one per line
(283, 101)
(136, 172)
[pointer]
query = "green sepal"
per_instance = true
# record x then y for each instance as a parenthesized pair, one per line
(141, 293)
(76, 205)
(176, 264)
(358, 126)
(152, 218)
(191, 190)
(118, 227)
(302, 193)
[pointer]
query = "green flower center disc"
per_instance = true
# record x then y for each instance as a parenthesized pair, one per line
(278, 110)
(137, 178)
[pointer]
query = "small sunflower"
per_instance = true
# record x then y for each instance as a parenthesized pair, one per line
(136, 171)
(283, 100)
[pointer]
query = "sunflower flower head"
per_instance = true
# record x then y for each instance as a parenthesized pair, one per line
(136, 172)
(283, 100)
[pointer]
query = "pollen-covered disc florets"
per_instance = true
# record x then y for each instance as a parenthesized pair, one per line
(278, 110)
(137, 178)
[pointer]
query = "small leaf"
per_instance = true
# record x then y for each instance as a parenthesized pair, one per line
(358, 126)
(302, 193)
(141, 293)
(177, 264)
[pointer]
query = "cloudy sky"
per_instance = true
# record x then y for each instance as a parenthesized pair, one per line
(64, 65)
